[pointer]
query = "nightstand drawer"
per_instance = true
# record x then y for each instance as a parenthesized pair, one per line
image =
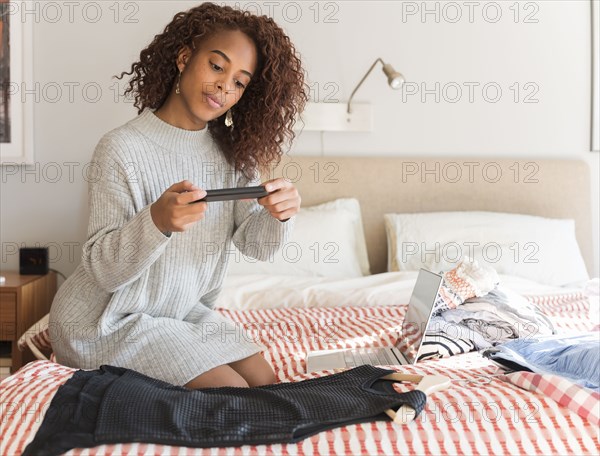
(8, 316)
(24, 300)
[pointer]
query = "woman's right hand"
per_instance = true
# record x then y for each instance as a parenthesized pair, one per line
(172, 211)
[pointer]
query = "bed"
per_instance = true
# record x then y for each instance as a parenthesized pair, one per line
(484, 411)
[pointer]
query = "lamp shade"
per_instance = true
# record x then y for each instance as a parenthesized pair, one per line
(395, 79)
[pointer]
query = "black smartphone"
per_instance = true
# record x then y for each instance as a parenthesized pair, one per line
(236, 193)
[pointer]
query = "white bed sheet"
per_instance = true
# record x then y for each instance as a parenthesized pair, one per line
(258, 291)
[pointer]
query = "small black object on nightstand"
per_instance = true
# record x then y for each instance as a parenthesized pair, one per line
(33, 260)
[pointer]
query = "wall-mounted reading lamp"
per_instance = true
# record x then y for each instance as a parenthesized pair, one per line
(395, 79)
(346, 117)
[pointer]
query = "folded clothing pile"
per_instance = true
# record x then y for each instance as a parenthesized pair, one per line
(473, 312)
(467, 280)
(575, 357)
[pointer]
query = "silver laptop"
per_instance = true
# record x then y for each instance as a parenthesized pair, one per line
(406, 350)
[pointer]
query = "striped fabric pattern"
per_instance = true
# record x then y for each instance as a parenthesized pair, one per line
(36, 335)
(441, 346)
(493, 416)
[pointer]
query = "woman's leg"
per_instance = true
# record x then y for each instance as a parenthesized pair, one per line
(219, 376)
(255, 370)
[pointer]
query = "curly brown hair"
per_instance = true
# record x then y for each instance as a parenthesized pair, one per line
(266, 112)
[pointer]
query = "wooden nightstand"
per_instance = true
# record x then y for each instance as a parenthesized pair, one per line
(24, 299)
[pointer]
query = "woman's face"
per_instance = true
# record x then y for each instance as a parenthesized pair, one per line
(215, 76)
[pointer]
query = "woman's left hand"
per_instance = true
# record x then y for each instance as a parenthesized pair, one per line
(283, 200)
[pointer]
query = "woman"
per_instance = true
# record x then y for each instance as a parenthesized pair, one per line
(217, 95)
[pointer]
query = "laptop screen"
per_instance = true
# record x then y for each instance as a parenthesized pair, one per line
(418, 314)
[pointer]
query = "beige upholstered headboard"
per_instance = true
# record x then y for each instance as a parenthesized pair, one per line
(547, 188)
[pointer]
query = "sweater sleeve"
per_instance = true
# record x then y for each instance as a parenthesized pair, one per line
(122, 241)
(257, 233)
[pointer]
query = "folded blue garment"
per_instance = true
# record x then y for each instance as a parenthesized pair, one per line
(575, 357)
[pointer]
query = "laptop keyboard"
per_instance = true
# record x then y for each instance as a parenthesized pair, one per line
(359, 357)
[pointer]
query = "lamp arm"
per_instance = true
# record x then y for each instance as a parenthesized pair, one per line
(362, 80)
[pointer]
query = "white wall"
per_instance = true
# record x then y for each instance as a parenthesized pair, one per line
(338, 42)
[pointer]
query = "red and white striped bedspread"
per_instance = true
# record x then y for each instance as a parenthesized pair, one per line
(514, 414)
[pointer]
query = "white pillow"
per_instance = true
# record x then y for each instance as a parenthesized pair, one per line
(327, 241)
(540, 249)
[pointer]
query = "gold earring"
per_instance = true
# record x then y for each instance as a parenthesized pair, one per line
(229, 119)
(177, 91)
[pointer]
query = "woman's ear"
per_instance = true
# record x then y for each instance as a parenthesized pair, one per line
(183, 57)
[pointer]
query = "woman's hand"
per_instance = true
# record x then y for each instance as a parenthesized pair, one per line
(172, 211)
(283, 201)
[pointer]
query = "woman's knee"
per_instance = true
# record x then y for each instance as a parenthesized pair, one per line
(265, 377)
(218, 377)
(255, 370)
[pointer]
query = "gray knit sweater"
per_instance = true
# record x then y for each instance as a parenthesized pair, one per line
(139, 298)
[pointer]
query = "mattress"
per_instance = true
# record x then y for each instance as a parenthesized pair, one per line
(484, 411)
